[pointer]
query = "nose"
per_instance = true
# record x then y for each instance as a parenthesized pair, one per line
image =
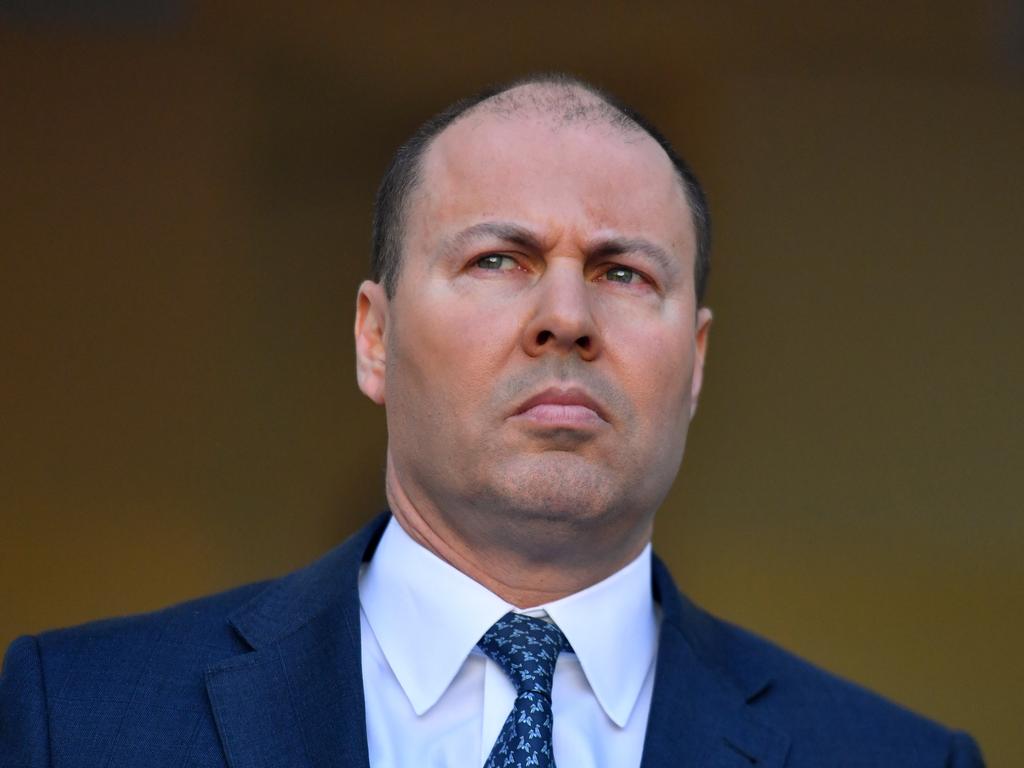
(562, 319)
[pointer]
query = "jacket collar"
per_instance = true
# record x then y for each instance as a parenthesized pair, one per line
(701, 713)
(296, 700)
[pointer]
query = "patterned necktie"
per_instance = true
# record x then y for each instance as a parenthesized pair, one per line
(527, 649)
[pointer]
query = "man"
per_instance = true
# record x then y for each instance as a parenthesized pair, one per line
(536, 332)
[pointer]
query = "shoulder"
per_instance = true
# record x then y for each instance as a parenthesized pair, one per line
(822, 713)
(109, 655)
(68, 693)
(102, 657)
(88, 693)
(793, 684)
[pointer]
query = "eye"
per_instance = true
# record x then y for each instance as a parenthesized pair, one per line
(623, 275)
(496, 262)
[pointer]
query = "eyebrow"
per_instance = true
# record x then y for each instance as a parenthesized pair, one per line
(499, 230)
(519, 235)
(616, 246)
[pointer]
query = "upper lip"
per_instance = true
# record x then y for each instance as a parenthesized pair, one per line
(562, 396)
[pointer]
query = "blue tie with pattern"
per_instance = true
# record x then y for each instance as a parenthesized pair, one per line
(527, 649)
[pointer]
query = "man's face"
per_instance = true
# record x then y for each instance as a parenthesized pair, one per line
(541, 357)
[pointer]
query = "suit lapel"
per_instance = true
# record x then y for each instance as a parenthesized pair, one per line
(297, 699)
(700, 714)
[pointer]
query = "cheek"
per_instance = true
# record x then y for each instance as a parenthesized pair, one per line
(451, 351)
(657, 367)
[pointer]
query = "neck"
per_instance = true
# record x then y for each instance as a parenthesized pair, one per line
(523, 575)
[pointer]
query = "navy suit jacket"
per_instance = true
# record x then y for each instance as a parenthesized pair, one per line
(270, 675)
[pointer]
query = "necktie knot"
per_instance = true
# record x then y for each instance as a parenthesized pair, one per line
(527, 649)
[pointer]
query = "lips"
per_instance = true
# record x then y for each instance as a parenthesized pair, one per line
(557, 406)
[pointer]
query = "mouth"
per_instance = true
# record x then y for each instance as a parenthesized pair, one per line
(565, 408)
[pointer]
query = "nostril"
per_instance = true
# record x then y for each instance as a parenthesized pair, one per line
(543, 337)
(583, 342)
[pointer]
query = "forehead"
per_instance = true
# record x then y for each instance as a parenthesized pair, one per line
(552, 175)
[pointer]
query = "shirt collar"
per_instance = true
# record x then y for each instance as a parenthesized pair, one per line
(427, 617)
(613, 628)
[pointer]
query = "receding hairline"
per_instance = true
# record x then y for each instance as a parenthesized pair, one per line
(564, 103)
(559, 104)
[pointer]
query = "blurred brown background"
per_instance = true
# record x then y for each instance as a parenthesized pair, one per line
(185, 193)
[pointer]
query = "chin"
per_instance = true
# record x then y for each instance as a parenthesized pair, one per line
(566, 491)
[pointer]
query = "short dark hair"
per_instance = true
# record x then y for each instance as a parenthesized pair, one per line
(403, 174)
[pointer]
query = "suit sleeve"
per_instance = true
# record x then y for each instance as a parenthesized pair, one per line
(24, 725)
(964, 753)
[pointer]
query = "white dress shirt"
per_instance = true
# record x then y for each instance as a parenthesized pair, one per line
(434, 699)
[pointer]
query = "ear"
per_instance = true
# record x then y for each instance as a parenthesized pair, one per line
(700, 350)
(371, 339)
